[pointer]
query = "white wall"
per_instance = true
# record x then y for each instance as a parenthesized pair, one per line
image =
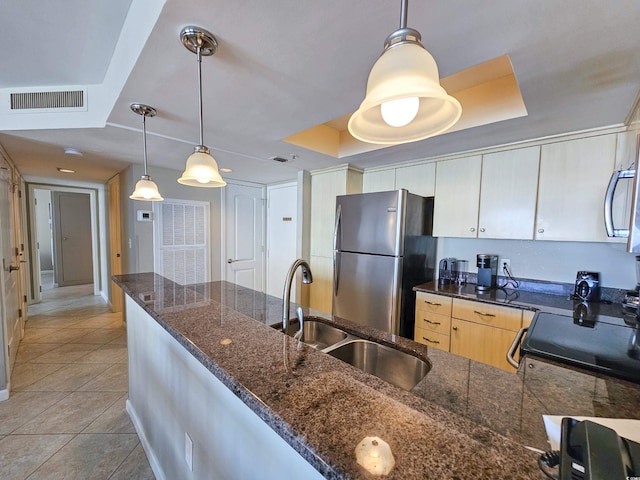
(550, 261)
(138, 236)
(43, 228)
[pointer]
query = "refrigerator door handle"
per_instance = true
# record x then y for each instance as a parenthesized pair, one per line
(337, 244)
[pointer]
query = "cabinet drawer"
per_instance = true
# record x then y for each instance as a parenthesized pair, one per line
(429, 302)
(432, 339)
(431, 321)
(487, 314)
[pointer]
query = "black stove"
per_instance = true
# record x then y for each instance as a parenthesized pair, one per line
(605, 344)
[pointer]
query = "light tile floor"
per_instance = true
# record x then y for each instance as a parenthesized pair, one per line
(66, 416)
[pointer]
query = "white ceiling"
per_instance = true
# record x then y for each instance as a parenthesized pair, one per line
(284, 66)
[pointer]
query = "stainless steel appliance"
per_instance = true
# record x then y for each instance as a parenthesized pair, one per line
(615, 191)
(447, 271)
(587, 286)
(487, 271)
(382, 248)
(632, 297)
(605, 344)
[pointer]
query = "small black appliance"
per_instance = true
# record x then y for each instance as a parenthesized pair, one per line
(487, 271)
(587, 286)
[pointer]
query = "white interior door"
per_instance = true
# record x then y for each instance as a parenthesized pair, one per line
(72, 226)
(281, 236)
(244, 240)
(9, 286)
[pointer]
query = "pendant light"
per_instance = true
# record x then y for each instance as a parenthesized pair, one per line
(201, 169)
(146, 189)
(404, 100)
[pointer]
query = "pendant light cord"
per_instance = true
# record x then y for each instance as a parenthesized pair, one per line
(144, 142)
(404, 7)
(199, 56)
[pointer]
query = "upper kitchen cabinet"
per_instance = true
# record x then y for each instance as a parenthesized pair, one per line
(457, 197)
(508, 194)
(379, 181)
(573, 181)
(417, 179)
(326, 185)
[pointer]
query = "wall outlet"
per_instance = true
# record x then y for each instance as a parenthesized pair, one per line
(501, 265)
(188, 451)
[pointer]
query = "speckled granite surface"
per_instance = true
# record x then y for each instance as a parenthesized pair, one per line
(562, 304)
(465, 420)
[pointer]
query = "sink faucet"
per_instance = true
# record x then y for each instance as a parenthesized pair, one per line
(286, 295)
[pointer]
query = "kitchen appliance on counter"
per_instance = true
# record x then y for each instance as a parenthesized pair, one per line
(587, 286)
(605, 344)
(631, 299)
(448, 271)
(382, 248)
(487, 272)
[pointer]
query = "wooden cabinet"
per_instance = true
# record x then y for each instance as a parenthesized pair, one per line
(433, 320)
(484, 332)
(379, 181)
(508, 193)
(476, 330)
(573, 181)
(326, 185)
(417, 179)
(457, 197)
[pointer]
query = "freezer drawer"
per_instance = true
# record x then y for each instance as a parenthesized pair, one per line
(366, 289)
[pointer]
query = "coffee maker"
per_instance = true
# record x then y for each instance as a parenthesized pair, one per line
(487, 271)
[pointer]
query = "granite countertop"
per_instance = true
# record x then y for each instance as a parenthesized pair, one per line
(464, 420)
(563, 304)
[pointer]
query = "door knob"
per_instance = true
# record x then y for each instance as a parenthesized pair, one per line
(13, 268)
(230, 261)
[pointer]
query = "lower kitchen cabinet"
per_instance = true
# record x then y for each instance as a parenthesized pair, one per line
(482, 343)
(476, 330)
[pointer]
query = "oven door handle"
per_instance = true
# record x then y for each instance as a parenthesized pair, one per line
(514, 346)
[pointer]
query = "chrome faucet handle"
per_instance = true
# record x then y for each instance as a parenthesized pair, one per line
(300, 315)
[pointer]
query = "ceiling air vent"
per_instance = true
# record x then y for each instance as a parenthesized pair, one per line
(52, 100)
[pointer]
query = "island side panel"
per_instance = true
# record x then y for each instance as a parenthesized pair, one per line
(171, 393)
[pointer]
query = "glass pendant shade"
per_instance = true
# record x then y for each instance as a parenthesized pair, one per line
(403, 72)
(146, 190)
(201, 171)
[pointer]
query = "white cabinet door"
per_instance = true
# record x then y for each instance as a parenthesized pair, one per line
(508, 194)
(378, 181)
(457, 197)
(417, 179)
(573, 181)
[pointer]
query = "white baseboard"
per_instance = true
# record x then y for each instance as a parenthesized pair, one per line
(153, 460)
(4, 394)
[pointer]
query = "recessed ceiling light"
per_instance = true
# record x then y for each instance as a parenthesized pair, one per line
(226, 170)
(66, 170)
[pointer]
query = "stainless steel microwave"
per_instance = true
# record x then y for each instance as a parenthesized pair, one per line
(632, 230)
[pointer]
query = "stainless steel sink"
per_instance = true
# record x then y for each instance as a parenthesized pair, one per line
(396, 367)
(316, 334)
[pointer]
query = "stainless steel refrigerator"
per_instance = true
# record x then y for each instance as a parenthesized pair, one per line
(382, 248)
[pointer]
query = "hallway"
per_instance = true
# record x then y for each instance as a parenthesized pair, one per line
(66, 416)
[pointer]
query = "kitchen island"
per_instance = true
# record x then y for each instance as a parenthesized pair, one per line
(464, 420)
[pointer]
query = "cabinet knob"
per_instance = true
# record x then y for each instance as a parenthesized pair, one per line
(482, 229)
(454, 328)
(472, 229)
(541, 230)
